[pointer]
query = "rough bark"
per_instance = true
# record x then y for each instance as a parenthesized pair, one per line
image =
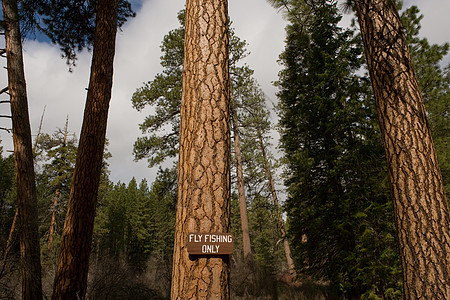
(204, 157)
(52, 229)
(420, 204)
(73, 262)
(248, 257)
(23, 157)
(268, 170)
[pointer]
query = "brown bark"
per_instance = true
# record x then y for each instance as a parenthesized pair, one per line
(23, 157)
(52, 229)
(204, 157)
(420, 205)
(9, 242)
(73, 262)
(286, 247)
(248, 257)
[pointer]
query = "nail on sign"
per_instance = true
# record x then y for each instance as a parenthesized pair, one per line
(210, 243)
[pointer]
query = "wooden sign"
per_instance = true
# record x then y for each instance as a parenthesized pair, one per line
(210, 243)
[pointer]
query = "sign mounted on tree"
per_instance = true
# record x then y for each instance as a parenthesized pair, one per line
(210, 243)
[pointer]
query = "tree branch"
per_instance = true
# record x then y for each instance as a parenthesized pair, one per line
(4, 90)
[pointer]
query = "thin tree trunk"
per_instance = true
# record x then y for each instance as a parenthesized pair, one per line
(57, 195)
(9, 242)
(23, 157)
(73, 262)
(53, 220)
(204, 158)
(287, 248)
(36, 141)
(248, 257)
(420, 205)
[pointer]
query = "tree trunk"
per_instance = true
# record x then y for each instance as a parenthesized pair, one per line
(23, 157)
(287, 248)
(9, 242)
(204, 158)
(52, 229)
(248, 257)
(420, 205)
(73, 262)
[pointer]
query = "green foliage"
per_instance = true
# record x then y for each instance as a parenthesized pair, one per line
(7, 179)
(163, 96)
(335, 174)
(7, 191)
(55, 160)
(56, 155)
(67, 23)
(135, 222)
(295, 11)
(8, 196)
(265, 238)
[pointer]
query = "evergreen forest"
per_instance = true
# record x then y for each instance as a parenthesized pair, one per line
(313, 190)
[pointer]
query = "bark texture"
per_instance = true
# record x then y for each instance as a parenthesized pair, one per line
(420, 205)
(73, 261)
(286, 246)
(204, 157)
(246, 245)
(23, 157)
(52, 229)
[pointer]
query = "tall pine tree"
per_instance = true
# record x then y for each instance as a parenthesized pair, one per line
(203, 181)
(417, 188)
(338, 210)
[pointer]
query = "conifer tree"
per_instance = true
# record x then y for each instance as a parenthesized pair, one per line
(56, 154)
(417, 189)
(73, 260)
(72, 31)
(337, 208)
(23, 155)
(164, 94)
(204, 158)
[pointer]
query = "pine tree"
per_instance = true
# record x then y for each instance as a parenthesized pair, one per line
(204, 159)
(73, 261)
(338, 211)
(246, 245)
(164, 95)
(135, 222)
(255, 128)
(417, 189)
(23, 155)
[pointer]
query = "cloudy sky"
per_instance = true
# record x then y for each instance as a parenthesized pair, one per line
(137, 61)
